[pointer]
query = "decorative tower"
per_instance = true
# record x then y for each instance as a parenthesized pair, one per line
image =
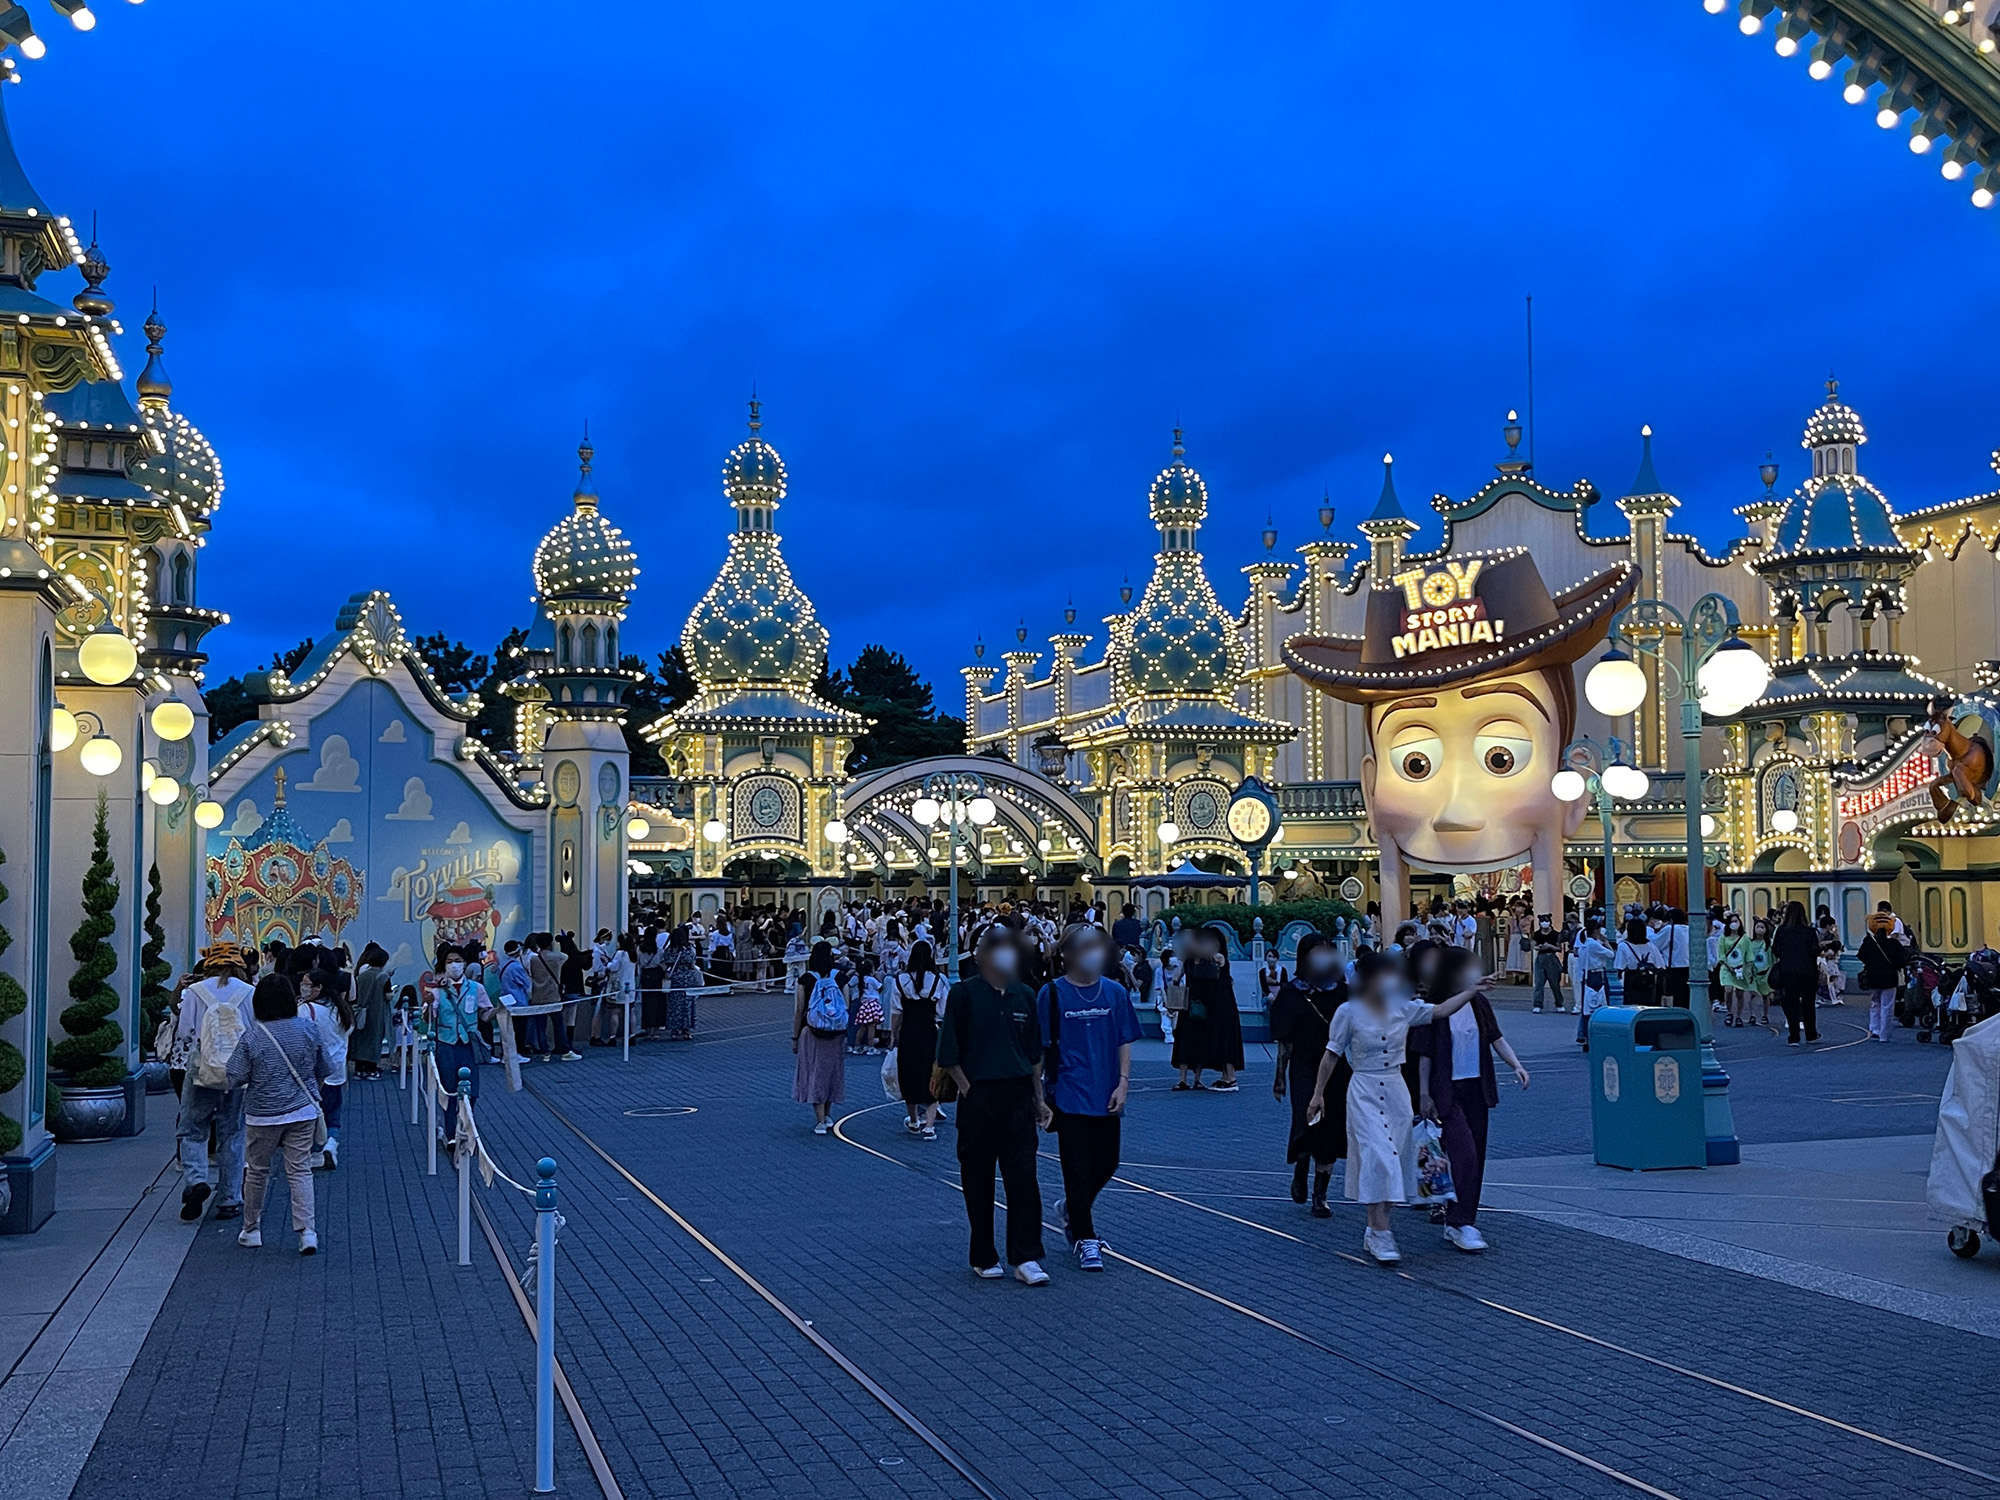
(762, 753)
(571, 708)
(1176, 740)
(1647, 506)
(1388, 531)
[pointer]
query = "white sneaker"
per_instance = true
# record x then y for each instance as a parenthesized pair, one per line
(308, 1242)
(330, 1155)
(1466, 1238)
(250, 1239)
(572, 1056)
(1381, 1245)
(822, 1127)
(989, 1273)
(1030, 1273)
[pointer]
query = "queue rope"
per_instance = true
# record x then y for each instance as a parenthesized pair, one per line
(467, 1134)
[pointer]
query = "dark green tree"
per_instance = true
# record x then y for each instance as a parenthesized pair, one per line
(154, 970)
(13, 1066)
(661, 689)
(88, 1053)
(234, 701)
(883, 686)
(454, 664)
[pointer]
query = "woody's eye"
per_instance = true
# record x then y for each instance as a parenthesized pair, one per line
(1417, 758)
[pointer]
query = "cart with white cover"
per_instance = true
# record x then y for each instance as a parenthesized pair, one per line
(1964, 1186)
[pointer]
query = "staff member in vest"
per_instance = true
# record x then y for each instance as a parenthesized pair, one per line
(1456, 1088)
(988, 1041)
(1088, 1027)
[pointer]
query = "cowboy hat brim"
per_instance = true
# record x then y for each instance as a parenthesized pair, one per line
(1334, 665)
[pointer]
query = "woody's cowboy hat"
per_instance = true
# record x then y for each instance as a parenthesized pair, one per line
(1443, 622)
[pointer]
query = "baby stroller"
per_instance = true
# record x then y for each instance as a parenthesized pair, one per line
(1976, 996)
(1923, 994)
(1964, 1185)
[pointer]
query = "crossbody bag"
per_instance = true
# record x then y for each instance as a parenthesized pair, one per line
(319, 1112)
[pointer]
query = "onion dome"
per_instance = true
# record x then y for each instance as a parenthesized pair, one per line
(1178, 642)
(585, 556)
(1836, 511)
(186, 470)
(1835, 423)
(1179, 497)
(754, 625)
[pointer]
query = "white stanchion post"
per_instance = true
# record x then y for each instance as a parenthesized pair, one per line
(403, 1070)
(545, 1326)
(429, 1086)
(625, 1025)
(464, 1173)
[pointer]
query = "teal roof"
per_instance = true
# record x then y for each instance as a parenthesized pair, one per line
(1842, 514)
(99, 403)
(1646, 481)
(1387, 506)
(17, 194)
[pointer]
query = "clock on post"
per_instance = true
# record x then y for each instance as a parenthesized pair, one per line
(1252, 821)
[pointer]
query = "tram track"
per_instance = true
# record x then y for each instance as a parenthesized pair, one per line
(1546, 1324)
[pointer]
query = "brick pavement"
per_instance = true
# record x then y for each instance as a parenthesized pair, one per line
(1117, 1386)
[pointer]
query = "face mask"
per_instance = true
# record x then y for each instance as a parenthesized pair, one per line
(454, 970)
(1087, 963)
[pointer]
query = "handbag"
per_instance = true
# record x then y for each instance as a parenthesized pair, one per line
(1174, 997)
(163, 1038)
(1434, 1183)
(319, 1114)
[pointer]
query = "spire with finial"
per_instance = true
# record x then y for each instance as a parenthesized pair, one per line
(1326, 511)
(92, 301)
(1646, 481)
(153, 385)
(1388, 509)
(586, 488)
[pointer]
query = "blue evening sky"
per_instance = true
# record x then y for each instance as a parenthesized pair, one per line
(977, 260)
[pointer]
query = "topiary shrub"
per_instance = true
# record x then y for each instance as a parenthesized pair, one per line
(155, 999)
(89, 1054)
(1276, 915)
(13, 1066)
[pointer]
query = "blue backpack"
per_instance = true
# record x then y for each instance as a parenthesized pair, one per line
(826, 1008)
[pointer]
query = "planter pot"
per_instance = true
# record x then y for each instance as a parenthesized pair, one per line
(87, 1114)
(155, 1073)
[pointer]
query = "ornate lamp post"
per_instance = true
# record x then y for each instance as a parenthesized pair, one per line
(1720, 674)
(1603, 772)
(955, 798)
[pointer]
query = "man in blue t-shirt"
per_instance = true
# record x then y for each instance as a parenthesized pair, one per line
(1088, 1028)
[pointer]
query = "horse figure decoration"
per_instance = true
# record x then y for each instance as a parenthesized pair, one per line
(1968, 759)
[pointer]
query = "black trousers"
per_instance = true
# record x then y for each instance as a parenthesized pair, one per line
(1465, 1147)
(1797, 999)
(1674, 987)
(996, 1128)
(1088, 1145)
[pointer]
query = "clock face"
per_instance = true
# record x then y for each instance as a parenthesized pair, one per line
(1249, 820)
(767, 807)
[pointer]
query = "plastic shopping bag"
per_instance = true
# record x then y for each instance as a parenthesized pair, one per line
(1433, 1166)
(892, 1082)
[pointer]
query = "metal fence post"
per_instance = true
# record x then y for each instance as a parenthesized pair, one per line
(431, 1108)
(545, 1326)
(464, 1171)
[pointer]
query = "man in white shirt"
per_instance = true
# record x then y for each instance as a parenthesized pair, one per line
(1670, 936)
(1466, 928)
(208, 1025)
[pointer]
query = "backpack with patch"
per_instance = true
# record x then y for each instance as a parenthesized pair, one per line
(826, 1007)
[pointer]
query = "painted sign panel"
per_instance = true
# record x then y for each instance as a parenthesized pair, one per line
(361, 836)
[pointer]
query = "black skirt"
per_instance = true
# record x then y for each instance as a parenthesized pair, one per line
(1326, 1141)
(916, 1053)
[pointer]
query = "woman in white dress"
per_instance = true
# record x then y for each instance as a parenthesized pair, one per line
(1381, 1164)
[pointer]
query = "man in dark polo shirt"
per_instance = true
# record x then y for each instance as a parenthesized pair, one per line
(990, 1042)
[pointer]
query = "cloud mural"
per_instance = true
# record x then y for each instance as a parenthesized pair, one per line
(342, 832)
(393, 735)
(416, 805)
(338, 770)
(462, 834)
(248, 820)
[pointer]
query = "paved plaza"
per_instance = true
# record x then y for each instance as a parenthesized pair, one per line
(748, 1310)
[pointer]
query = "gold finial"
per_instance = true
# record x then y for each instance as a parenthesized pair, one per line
(1832, 387)
(278, 780)
(1178, 449)
(756, 419)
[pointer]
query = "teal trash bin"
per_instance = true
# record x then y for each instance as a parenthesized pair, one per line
(1645, 1088)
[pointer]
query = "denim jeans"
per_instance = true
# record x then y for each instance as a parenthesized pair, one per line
(1549, 972)
(201, 1108)
(329, 1102)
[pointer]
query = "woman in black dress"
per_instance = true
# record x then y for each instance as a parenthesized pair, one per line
(1209, 1033)
(1301, 1014)
(1795, 973)
(919, 991)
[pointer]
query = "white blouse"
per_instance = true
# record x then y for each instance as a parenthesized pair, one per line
(1372, 1040)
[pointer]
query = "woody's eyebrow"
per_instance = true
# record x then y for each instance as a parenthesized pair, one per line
(1505, 687)
(1408, 703)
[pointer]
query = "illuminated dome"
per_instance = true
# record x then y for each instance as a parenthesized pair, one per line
(1834, 423)
(1836, 510)
(754, 625)
(187, 472)
(585, 555)
(1178, 642)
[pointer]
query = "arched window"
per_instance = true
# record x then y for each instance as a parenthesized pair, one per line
(563, 647)
(183, 578)
(590, 645)
(611, 645)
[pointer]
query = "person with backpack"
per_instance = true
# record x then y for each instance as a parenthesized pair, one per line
(819, 1038)
(918, 997)
(1088, 1027)
(1639, 961)
(991, 1046)
(210, 1019)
